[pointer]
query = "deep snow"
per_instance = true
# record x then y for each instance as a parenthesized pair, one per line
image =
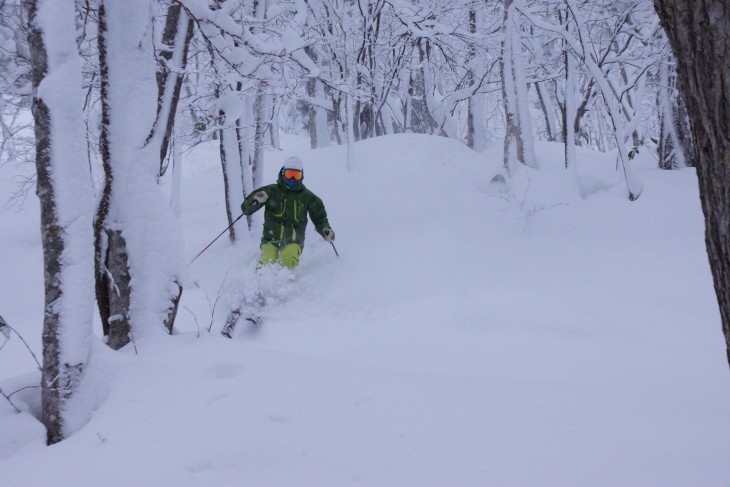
(465, 337)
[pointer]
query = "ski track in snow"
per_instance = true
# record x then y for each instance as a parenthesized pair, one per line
(463, 338)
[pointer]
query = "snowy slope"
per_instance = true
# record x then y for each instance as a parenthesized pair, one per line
(463, 337)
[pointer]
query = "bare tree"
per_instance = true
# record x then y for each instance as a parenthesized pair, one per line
(580, 44)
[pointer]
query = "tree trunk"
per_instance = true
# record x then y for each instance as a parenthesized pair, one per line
(672, 148)
(542, 95)
(65, 194)
(232, 186)
(470, 115)
(112, 266)
(421, 120)
(139, 253)
(570, 109)
(518, 132)
(259, 141)
(318, 130)
(172, 61)
(699, 32)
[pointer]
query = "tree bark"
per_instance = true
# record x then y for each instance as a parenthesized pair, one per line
(64, 191)
(134, 278)
(517, 145)
(699, 32)
(176, 36)
(233, 189)
(112, 265)
(674, 135)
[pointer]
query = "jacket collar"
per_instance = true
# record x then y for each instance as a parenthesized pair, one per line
(284, 187)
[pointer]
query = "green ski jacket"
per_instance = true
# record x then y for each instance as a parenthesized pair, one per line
(285, 217)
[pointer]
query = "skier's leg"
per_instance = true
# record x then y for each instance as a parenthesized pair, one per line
(289, 255)
(230, 325)
(269, 253)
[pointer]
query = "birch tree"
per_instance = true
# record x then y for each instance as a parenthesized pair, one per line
(582, 48)
(64, 190)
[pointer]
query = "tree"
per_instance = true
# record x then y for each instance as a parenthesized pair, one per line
(699, 32)
(16, 130)
(172, 61)
(582, 46)
(518, 127)
(64, 190)
(137, 237)
(675, 139)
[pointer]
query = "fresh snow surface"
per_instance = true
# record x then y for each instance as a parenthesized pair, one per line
(464, 337)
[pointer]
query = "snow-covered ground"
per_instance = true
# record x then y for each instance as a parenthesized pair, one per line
(464, 337)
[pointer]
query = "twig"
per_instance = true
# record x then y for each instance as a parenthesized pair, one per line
(195, 318)
(134, 342)
(11, 402)
(22, 389)
(217, 298)
(26, 346)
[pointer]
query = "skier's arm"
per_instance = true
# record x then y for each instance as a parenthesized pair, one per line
(250, 205)
(318, 215)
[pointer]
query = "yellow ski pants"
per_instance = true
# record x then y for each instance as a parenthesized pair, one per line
(288, 256)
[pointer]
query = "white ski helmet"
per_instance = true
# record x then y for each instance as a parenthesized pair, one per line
(294, 162)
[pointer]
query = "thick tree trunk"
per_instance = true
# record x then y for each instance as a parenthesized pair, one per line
(64, 191)
(699, 31)
(119, 290)
(112, 266)
(177, 36)
(137, 282)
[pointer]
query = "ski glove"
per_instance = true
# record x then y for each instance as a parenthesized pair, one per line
(260, 197)
(328, 234)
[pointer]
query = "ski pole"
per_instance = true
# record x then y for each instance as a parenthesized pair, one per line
(219, 236)
(335, 249)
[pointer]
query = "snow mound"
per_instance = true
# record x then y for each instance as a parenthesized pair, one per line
(463, 337)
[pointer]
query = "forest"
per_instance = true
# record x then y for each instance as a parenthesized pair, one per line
(107, 105)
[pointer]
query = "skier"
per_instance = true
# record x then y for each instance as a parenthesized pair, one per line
(287, 204)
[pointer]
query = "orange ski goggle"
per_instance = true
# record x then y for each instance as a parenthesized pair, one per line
(294, 174)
